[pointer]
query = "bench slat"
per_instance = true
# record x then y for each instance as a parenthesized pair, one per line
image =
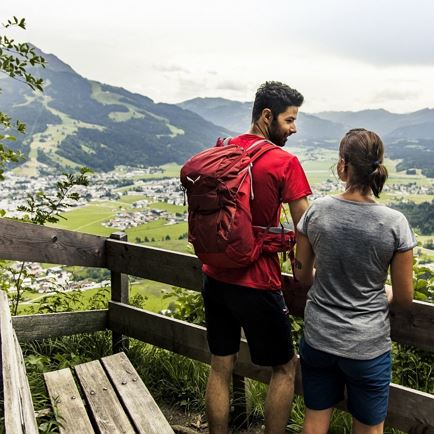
(144, 412)
(65, 398)
(24, 392)
(18, 405)
(105, 405)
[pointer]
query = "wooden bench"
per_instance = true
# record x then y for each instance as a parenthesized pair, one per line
(115, 398)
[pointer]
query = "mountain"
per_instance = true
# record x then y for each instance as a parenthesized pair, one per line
(415, 125)
(236, 116)
(408, 137)
(81, 122)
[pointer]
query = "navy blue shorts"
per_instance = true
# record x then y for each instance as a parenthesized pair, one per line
(325, 377)
(262, 314)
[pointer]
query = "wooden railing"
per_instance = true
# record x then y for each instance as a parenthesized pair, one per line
(409, 409)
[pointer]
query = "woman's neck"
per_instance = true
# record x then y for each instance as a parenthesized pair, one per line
(357, 196)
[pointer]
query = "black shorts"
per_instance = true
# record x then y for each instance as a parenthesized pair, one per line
(262, 314)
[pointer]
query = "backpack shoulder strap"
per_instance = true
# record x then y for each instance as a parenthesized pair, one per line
(264, 146)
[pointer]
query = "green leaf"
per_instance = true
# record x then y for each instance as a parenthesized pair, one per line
(420, 296)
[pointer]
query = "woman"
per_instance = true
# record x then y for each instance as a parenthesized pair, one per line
(352, 240)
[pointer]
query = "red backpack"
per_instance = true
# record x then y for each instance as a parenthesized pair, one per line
(218, 183)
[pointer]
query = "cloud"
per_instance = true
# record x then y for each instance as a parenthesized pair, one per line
(232, 85)
(379, 32)
(170, 68)
(387, 95)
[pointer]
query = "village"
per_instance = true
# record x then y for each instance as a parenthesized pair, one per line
(113, 186)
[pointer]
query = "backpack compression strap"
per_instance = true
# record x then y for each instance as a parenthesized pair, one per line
(267, 146)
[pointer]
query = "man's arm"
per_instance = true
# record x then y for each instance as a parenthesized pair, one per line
(297, 209)
(305, 258)
(304, 261)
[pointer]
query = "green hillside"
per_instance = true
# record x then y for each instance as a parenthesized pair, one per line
(78, 122)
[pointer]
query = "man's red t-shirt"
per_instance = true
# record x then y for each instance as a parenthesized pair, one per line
(277, 177)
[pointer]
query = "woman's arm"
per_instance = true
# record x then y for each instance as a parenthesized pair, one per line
(304, 260)
(401, 273)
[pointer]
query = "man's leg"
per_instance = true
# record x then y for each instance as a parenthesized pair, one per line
(218, 393)
(279, 397)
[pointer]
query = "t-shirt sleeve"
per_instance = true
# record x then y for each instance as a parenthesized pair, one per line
(295, 184)
(405, 238)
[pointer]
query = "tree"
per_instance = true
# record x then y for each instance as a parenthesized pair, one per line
(15, 59)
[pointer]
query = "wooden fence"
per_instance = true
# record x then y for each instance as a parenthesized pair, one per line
(409, 410)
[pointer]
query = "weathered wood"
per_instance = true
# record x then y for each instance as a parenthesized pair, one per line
(109, 415)
(176, 269)
(414, 326)
(18, 405)
(410, 410)
(28, 242)
(178, 336)
(139, 403)
(190, 340)
(120, 293)
(295, 295)
(65, 399)
(43, 326)
(24, 391)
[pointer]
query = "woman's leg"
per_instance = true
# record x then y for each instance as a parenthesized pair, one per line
(367, 384)
(361, 428)
(323, 387)
(317, 421)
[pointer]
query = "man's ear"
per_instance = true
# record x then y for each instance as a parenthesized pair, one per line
(267, 116)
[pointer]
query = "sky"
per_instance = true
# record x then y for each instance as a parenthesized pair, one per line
(340, 54)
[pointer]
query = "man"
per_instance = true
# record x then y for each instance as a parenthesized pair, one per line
(250, 297)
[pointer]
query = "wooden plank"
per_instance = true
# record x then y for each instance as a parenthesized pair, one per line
(139, 403)
(25, 393)
(43, 326)
(174, 268)
(119, 292)
(410, 410)
(106, 409)
(29, 242)
(67, 403)
(414, 326)
(17, 396)
(178, 336)
(190, 340)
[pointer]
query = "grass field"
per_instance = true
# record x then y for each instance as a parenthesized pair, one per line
(151, 291)
(319, 165)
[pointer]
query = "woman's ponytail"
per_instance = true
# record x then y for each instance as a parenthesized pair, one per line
(377, 179)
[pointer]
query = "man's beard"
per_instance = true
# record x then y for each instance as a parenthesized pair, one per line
(276, 135)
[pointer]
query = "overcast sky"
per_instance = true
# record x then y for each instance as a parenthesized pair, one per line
(341, 54)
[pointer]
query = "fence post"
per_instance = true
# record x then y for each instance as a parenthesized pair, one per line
(240, 413)
(119, 293)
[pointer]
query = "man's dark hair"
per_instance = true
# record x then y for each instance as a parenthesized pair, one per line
(275, 96)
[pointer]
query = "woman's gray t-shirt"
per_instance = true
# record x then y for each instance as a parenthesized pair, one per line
(347, 312)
